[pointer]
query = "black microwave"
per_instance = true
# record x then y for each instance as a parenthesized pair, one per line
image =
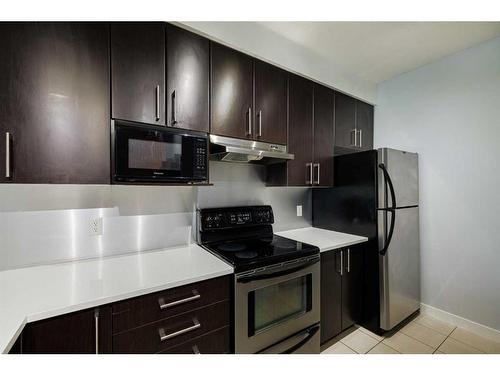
(148, 153)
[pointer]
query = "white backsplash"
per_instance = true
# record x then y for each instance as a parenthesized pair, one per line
(42, 224)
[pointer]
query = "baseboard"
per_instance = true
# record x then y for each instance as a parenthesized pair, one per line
(467, 324)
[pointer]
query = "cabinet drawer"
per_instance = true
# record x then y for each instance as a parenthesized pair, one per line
(164, 334)
(157, 306)
(216, 342)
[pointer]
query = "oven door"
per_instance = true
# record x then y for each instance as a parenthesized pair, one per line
(145, 153)
(275, 303)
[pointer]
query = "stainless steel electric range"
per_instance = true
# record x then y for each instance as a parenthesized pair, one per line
(276, 282)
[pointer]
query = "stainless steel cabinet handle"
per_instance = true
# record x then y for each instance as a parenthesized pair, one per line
(309, 172)
(360, 138)
(164, 305)
(249, 129)
(260, 124)
(316, 165)
(341, 263)
(348, 260)
(163, 336)
(7, 155)
(157, 102)
(96, 318)
(354, 131)
(174, 107)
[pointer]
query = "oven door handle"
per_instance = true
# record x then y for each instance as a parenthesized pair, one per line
(303, 337)
(269, 273)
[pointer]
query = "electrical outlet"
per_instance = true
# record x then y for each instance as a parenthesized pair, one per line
(299, 210)
(96, 226)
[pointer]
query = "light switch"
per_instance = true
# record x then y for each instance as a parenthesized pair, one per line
(299, 210)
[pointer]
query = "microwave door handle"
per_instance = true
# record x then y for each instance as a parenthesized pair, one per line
(270, 274)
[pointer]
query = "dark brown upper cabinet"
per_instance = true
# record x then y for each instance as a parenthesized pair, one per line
(300, 131)
(188, 69)
(324, 109)
(138, 72)
(353, 125)
(345, 122)
(270, 103)
(231, 93)
(54, 95)
(364, 125)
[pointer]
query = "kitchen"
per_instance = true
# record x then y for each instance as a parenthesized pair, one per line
(166, 190)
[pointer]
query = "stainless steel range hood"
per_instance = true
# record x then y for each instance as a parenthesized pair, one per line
(247, 151)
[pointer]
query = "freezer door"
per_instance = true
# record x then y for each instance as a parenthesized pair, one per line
(399, 267)
(402, 168)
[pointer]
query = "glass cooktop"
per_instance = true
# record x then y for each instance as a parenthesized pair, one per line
(258, 252)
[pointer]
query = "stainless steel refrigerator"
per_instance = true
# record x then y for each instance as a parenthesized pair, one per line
(376, 195)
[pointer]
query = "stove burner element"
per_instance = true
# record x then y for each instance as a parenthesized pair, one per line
(231, 247)
(246, 254)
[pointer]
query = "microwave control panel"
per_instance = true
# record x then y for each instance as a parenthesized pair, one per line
(200, 157)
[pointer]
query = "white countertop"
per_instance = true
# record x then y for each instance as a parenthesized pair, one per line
(324, 239)
(35, 293)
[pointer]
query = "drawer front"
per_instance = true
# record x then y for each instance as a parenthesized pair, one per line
(157, 306)
(216, 342)
(167, 333)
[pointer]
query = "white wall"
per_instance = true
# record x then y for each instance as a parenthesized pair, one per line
(261, 42)
(449, 112)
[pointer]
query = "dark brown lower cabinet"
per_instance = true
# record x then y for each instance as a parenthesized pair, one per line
(215, 342)
(341, 278)
(82, 332)
(193, 318)
(165, 334)
(331, 295)
(351, 286)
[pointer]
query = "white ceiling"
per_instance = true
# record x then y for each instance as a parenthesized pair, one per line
(377, 51)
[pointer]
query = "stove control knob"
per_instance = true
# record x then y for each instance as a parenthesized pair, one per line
(212, 221)
(263, 216)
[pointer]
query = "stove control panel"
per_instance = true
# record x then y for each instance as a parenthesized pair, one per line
(231, 217)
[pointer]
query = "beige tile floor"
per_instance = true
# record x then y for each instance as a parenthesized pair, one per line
(423, 335)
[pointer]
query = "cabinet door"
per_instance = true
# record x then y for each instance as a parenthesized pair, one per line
(300, 131)
(323, 135)
(72, 333)
(54, 95)
(364, 125)
(138, 72)
(270, 103)
(345, 122)
(188, 68)
(351, 285)
(232, 93)
(331, 295)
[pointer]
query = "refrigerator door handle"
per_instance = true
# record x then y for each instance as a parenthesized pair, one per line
(388, 181)
(383, 251)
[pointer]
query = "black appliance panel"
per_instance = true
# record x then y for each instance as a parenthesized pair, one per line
(351, 206)
(150, 153)
(243, 236)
